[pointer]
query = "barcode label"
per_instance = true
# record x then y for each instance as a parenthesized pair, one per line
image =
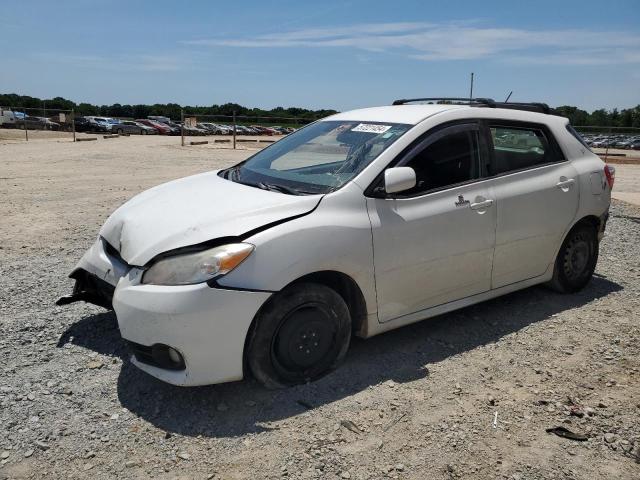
(371, 128)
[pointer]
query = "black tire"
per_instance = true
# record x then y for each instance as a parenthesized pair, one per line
(143, 132)
(119, 131)
(302, 334)
(576, 260)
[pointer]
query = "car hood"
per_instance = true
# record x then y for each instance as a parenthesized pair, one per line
(193, 210)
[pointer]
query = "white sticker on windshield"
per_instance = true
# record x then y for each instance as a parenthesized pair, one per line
(371, 128)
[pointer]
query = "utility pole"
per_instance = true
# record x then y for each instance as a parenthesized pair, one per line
(234, 129)
(24, 120)
(471, 90)
(73, 123)
(182, 125)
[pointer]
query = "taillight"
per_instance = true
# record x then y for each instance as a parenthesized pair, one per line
(610, 173)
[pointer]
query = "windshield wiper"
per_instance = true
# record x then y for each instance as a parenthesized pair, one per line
(280, 188)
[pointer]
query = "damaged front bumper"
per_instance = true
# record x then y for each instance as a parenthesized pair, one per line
(96, 276)
(203, 327)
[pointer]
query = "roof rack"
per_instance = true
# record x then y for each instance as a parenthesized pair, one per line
(480, 102)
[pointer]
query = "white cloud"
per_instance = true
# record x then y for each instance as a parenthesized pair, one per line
(456, 41)
(145, 63)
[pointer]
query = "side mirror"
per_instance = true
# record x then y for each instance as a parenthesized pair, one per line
(399, 179)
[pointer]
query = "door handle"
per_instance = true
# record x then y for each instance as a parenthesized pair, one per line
(565, 183)
(481, 205)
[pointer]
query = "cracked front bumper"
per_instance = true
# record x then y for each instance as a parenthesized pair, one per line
(207, 326)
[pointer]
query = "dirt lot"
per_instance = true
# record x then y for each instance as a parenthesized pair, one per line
(466, 395)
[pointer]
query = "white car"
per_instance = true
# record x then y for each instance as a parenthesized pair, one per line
(359, 223)
(7, 118)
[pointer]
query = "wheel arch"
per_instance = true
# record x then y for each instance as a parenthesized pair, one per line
(342, 283)
(592, 220)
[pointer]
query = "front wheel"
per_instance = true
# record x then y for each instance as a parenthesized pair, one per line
(302, 334)
(143, 132)
(576, 260)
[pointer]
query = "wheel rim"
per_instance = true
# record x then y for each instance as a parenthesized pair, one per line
(305, 341)
(576, 258)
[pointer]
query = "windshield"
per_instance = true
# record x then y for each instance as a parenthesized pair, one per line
(319, 158)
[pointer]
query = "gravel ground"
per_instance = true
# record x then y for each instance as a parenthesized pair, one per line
(465, 395)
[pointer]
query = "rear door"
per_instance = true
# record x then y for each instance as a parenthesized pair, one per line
(434, 243)
(537, 196)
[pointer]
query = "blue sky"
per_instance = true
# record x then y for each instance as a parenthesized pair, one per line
(329, 54)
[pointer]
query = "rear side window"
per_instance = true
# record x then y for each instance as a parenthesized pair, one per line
(578, 137)
(518, 148)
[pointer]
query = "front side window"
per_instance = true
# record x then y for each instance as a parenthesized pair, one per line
(450, 160)
(516, 148)
(318, 158)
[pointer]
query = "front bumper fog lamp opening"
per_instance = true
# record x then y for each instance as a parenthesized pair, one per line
(158, 355)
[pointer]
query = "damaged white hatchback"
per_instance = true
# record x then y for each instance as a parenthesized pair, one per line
(356, 224)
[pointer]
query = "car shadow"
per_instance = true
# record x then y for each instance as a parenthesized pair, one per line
(402, 355)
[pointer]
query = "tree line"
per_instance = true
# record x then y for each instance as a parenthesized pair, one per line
(171, 110)
(628, 117)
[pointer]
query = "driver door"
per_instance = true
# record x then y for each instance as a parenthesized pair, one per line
(434, 244)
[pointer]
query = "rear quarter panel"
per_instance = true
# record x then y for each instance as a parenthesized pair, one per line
(595, 194)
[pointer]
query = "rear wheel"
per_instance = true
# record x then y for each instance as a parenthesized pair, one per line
(119, 131)
(300, 335)
(143, 132)
(576, 259)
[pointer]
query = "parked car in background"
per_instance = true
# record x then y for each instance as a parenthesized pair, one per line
(7, 118)
(132, 127)
(161, 119)
(161, 128)
(192, 131)
(113, 122)
(264, 130)
(209, 128)
(36, 123)
(82, 124)
(214, 129)
(174, 127)
(257, 129)
(99, 124)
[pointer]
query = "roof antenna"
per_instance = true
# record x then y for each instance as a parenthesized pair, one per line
(508, 97)
(471, 90)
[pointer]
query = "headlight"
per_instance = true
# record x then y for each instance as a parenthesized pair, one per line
(197, 267)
